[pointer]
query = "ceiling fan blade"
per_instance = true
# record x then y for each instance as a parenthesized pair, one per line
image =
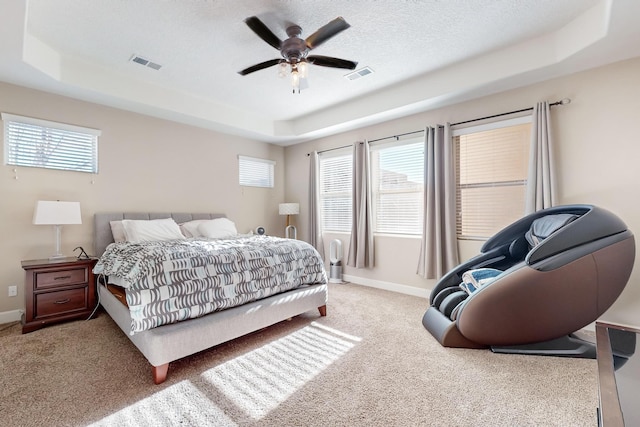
(263, 31)
(260, 66)
(327, 61)
(326, 32)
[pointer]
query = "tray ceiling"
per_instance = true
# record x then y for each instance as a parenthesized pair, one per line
(424, 54)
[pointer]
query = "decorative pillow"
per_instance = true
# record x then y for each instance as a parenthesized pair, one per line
(190, 228)
(137, 231)
(220, 228)
(117, 229)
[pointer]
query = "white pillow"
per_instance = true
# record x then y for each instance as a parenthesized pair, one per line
(117, 229)
(137, 231)
(218, 228)
(190, 228)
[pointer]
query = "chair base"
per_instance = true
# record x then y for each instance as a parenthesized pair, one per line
(567, 346)
(445, 331)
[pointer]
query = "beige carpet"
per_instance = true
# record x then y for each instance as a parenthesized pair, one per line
(369, 362)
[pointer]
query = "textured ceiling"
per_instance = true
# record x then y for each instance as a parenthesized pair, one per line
(422, 53)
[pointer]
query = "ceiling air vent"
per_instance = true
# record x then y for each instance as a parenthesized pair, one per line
(145, 62)
(359, 73)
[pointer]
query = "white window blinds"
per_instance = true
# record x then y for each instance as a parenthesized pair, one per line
(256, 172)
(491, 169)
(335, 191)
(398, 184)
(40, 143)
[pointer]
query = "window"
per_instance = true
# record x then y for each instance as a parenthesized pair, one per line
(335, 190)
(43, 144)
(491, 176)
(397, 181)
(256, 172)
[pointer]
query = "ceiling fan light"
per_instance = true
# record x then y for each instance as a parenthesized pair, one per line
(282, 69)
(303, 69)
(295, 79)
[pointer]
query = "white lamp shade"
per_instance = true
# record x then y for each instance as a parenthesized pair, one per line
(57, 213)
(289, 208)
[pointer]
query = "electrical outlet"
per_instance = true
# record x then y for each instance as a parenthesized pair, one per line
(13, 291)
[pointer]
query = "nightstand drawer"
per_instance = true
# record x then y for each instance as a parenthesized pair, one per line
(60, 302)
(59, 278)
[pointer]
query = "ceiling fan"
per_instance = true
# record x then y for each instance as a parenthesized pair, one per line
(295, 50)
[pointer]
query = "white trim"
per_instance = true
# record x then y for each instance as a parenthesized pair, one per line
(10, 316)
(388, 286)
(493, 125)
(49, 124)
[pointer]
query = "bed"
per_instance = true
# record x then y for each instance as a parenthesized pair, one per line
(163, 344)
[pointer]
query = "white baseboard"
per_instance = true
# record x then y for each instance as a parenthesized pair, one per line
(10, 316)
(388, 286)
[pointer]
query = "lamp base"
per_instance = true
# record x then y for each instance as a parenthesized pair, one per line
(58, 255)
(290, 232)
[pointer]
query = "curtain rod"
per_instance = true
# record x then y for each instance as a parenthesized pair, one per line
(564, 101)
(334, 148)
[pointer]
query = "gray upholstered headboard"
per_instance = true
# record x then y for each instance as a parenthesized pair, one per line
(102, 236)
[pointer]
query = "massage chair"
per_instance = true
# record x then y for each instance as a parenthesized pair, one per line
(554, 272)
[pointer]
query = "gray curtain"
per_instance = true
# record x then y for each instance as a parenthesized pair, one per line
(439, 246)
(361, 246)
(541, 178)
(315, 224)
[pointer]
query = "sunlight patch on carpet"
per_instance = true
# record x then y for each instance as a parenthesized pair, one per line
(259, 381)
(179, 404)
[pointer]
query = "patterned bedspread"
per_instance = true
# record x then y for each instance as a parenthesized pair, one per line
(170, 281)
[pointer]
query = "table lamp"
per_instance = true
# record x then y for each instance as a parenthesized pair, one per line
(57, 213)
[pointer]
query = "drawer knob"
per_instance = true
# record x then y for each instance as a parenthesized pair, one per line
(63, 301)
(62, 278)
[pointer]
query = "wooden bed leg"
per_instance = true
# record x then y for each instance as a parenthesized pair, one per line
(159, 373)
(323, 310)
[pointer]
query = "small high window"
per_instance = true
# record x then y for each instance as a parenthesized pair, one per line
(43, 144)
(256, 172)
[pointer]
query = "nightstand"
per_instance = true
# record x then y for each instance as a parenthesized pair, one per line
(57, 290)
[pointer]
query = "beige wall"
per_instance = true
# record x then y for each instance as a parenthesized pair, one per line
(597, 151)
(152, 164)
(146, 164)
